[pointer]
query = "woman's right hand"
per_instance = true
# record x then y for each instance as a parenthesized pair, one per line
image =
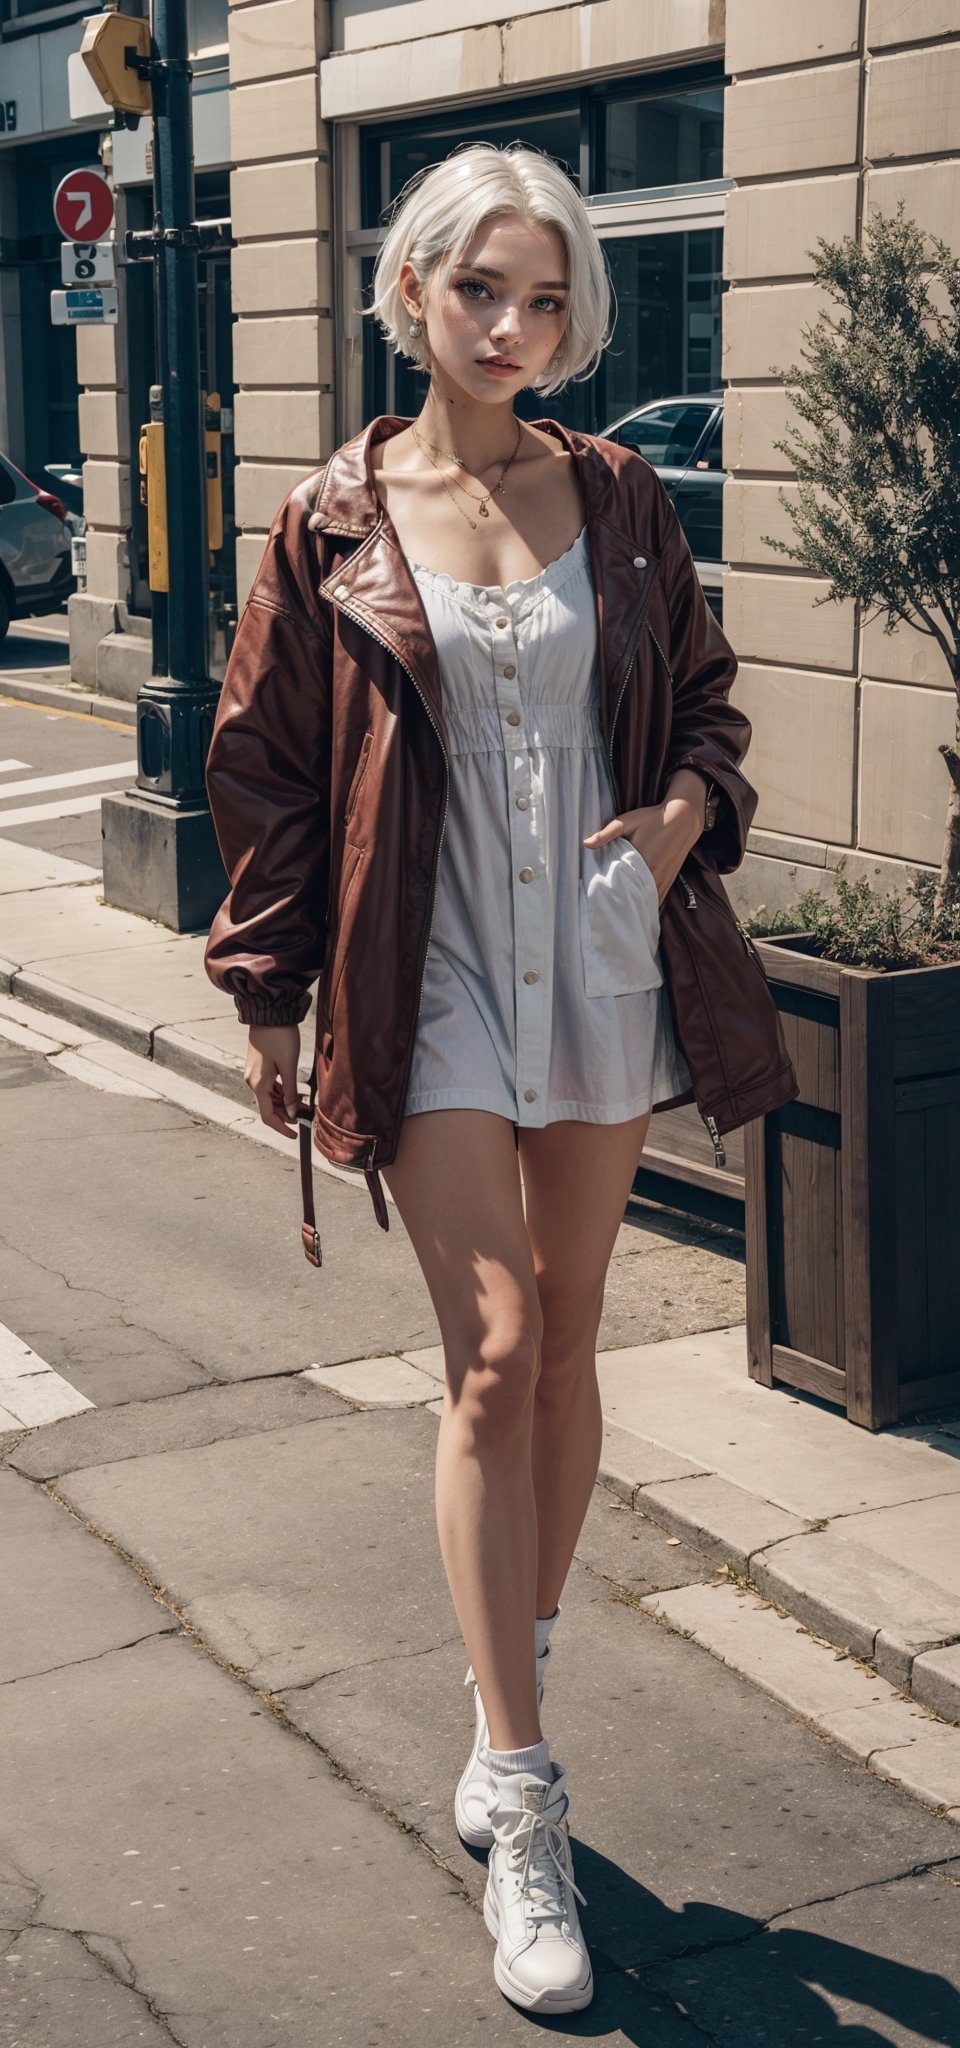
(271, 1073)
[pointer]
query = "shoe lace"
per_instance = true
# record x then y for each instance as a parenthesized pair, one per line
(539, 1853)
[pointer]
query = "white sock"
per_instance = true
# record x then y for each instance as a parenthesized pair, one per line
(535, 1759)
(543, 1628)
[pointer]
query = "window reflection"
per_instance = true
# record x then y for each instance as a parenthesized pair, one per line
(666, 139)
(667, 336)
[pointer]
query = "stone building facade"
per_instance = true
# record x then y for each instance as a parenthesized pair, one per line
(824, 111)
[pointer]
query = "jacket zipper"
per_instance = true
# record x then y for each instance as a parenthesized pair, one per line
(362, 620)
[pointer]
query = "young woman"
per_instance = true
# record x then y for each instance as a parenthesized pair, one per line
(475, 723)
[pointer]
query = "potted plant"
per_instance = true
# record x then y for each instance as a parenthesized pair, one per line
(852, 1206)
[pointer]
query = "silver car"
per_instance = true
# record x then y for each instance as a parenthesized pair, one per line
(35, 571)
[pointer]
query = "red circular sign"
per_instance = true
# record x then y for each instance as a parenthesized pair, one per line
(83, 206)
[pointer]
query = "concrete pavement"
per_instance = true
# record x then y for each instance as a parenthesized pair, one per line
(231, 1701)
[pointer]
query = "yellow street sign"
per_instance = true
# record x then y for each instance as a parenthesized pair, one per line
(106, 40)
(153, 494)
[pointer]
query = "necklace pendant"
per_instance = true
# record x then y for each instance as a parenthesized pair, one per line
(484, 514)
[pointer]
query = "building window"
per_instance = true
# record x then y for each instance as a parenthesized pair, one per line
(647, 155)
(667, 336)
(662, 138)
(28, 17)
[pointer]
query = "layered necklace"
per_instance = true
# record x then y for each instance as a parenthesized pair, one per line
(481, 503)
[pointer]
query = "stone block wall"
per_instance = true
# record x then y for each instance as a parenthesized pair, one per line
(282, 280)
(107, 473)
(833, 109)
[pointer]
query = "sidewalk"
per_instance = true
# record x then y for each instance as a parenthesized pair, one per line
(852, 1536)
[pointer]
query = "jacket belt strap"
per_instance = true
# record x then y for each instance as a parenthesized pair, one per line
(308, 1228)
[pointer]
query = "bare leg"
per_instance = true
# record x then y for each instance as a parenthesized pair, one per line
(576, 1178)
(456, 1183)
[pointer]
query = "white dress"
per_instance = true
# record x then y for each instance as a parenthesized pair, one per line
(543, 994)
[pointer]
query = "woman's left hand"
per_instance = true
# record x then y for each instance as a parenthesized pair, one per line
(663, 833)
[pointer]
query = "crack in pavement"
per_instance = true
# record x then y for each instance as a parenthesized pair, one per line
(100, 1948)
(89, 1939)
(934, 1866)
(153, 1635)
(274, 1705)
(366, 1664)
(269, 1700)
(150, 1401)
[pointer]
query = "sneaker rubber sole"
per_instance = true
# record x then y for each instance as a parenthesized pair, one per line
(531, 2001)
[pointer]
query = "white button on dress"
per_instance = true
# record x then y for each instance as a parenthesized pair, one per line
(543, 995)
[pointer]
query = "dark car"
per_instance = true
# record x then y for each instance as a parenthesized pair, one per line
(683, 439)
(35, 568)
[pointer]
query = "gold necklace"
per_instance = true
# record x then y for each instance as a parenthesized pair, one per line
(483, 502)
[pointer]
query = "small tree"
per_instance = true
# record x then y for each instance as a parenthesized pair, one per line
(878, 506)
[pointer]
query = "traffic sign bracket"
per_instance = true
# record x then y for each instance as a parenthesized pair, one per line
(207, 237)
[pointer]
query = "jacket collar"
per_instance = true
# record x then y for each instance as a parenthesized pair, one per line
(375, 584)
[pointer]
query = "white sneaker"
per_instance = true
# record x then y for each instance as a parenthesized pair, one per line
(541, 1961)
(473, 1794)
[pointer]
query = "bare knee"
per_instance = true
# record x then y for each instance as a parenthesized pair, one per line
(492, 1387)
(568, 1349)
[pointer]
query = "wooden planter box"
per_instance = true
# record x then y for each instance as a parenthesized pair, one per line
(852, 1191)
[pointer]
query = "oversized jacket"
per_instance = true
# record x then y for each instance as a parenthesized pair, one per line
(327, 775)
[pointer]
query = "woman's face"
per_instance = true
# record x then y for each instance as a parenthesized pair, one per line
(507, 299)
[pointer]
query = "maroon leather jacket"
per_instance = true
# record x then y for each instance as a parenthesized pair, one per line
(327, 776)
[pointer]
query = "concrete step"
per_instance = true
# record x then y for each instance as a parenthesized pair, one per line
(124, 663)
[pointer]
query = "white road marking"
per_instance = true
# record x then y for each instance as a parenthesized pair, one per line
(28, 814)
(6, 766)
(31, 1392)
(33, 784)
(73, 1062)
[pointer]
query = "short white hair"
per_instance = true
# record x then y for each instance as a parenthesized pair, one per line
(436, 216)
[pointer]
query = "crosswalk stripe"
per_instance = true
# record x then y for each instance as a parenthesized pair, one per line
(6, 766)
(29, 814)
(31, 785)
(31, 1392)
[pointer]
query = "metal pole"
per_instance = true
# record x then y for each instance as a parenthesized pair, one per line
(180, 372)
(160, 855)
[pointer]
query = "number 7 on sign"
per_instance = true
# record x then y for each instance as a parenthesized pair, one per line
(85, 203)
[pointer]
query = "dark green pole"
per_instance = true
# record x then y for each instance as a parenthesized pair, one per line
(160, 855)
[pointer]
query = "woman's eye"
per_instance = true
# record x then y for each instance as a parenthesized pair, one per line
(469, 285)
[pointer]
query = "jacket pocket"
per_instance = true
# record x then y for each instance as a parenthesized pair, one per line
(358, 775)
(619, 920)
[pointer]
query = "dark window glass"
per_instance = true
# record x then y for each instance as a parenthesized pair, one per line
(24, 7)
(664, 139)
(395, 158)
(667, 336)
(8, 486)
(711, 454)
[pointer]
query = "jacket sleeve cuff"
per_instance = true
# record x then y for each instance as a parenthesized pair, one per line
(253, 1010)
(724, 843)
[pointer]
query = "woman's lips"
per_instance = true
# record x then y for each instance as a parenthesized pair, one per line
(504, 369)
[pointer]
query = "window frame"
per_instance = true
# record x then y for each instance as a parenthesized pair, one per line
(360, 171)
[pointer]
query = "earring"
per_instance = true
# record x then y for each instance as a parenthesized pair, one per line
(415, 327)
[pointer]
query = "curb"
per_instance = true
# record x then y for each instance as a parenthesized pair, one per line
(902, 1625)
(67, 697)
(885, 1616)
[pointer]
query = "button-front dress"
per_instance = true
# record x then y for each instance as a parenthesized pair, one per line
(543, 995)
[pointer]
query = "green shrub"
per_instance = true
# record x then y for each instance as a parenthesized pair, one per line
(864, 928)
